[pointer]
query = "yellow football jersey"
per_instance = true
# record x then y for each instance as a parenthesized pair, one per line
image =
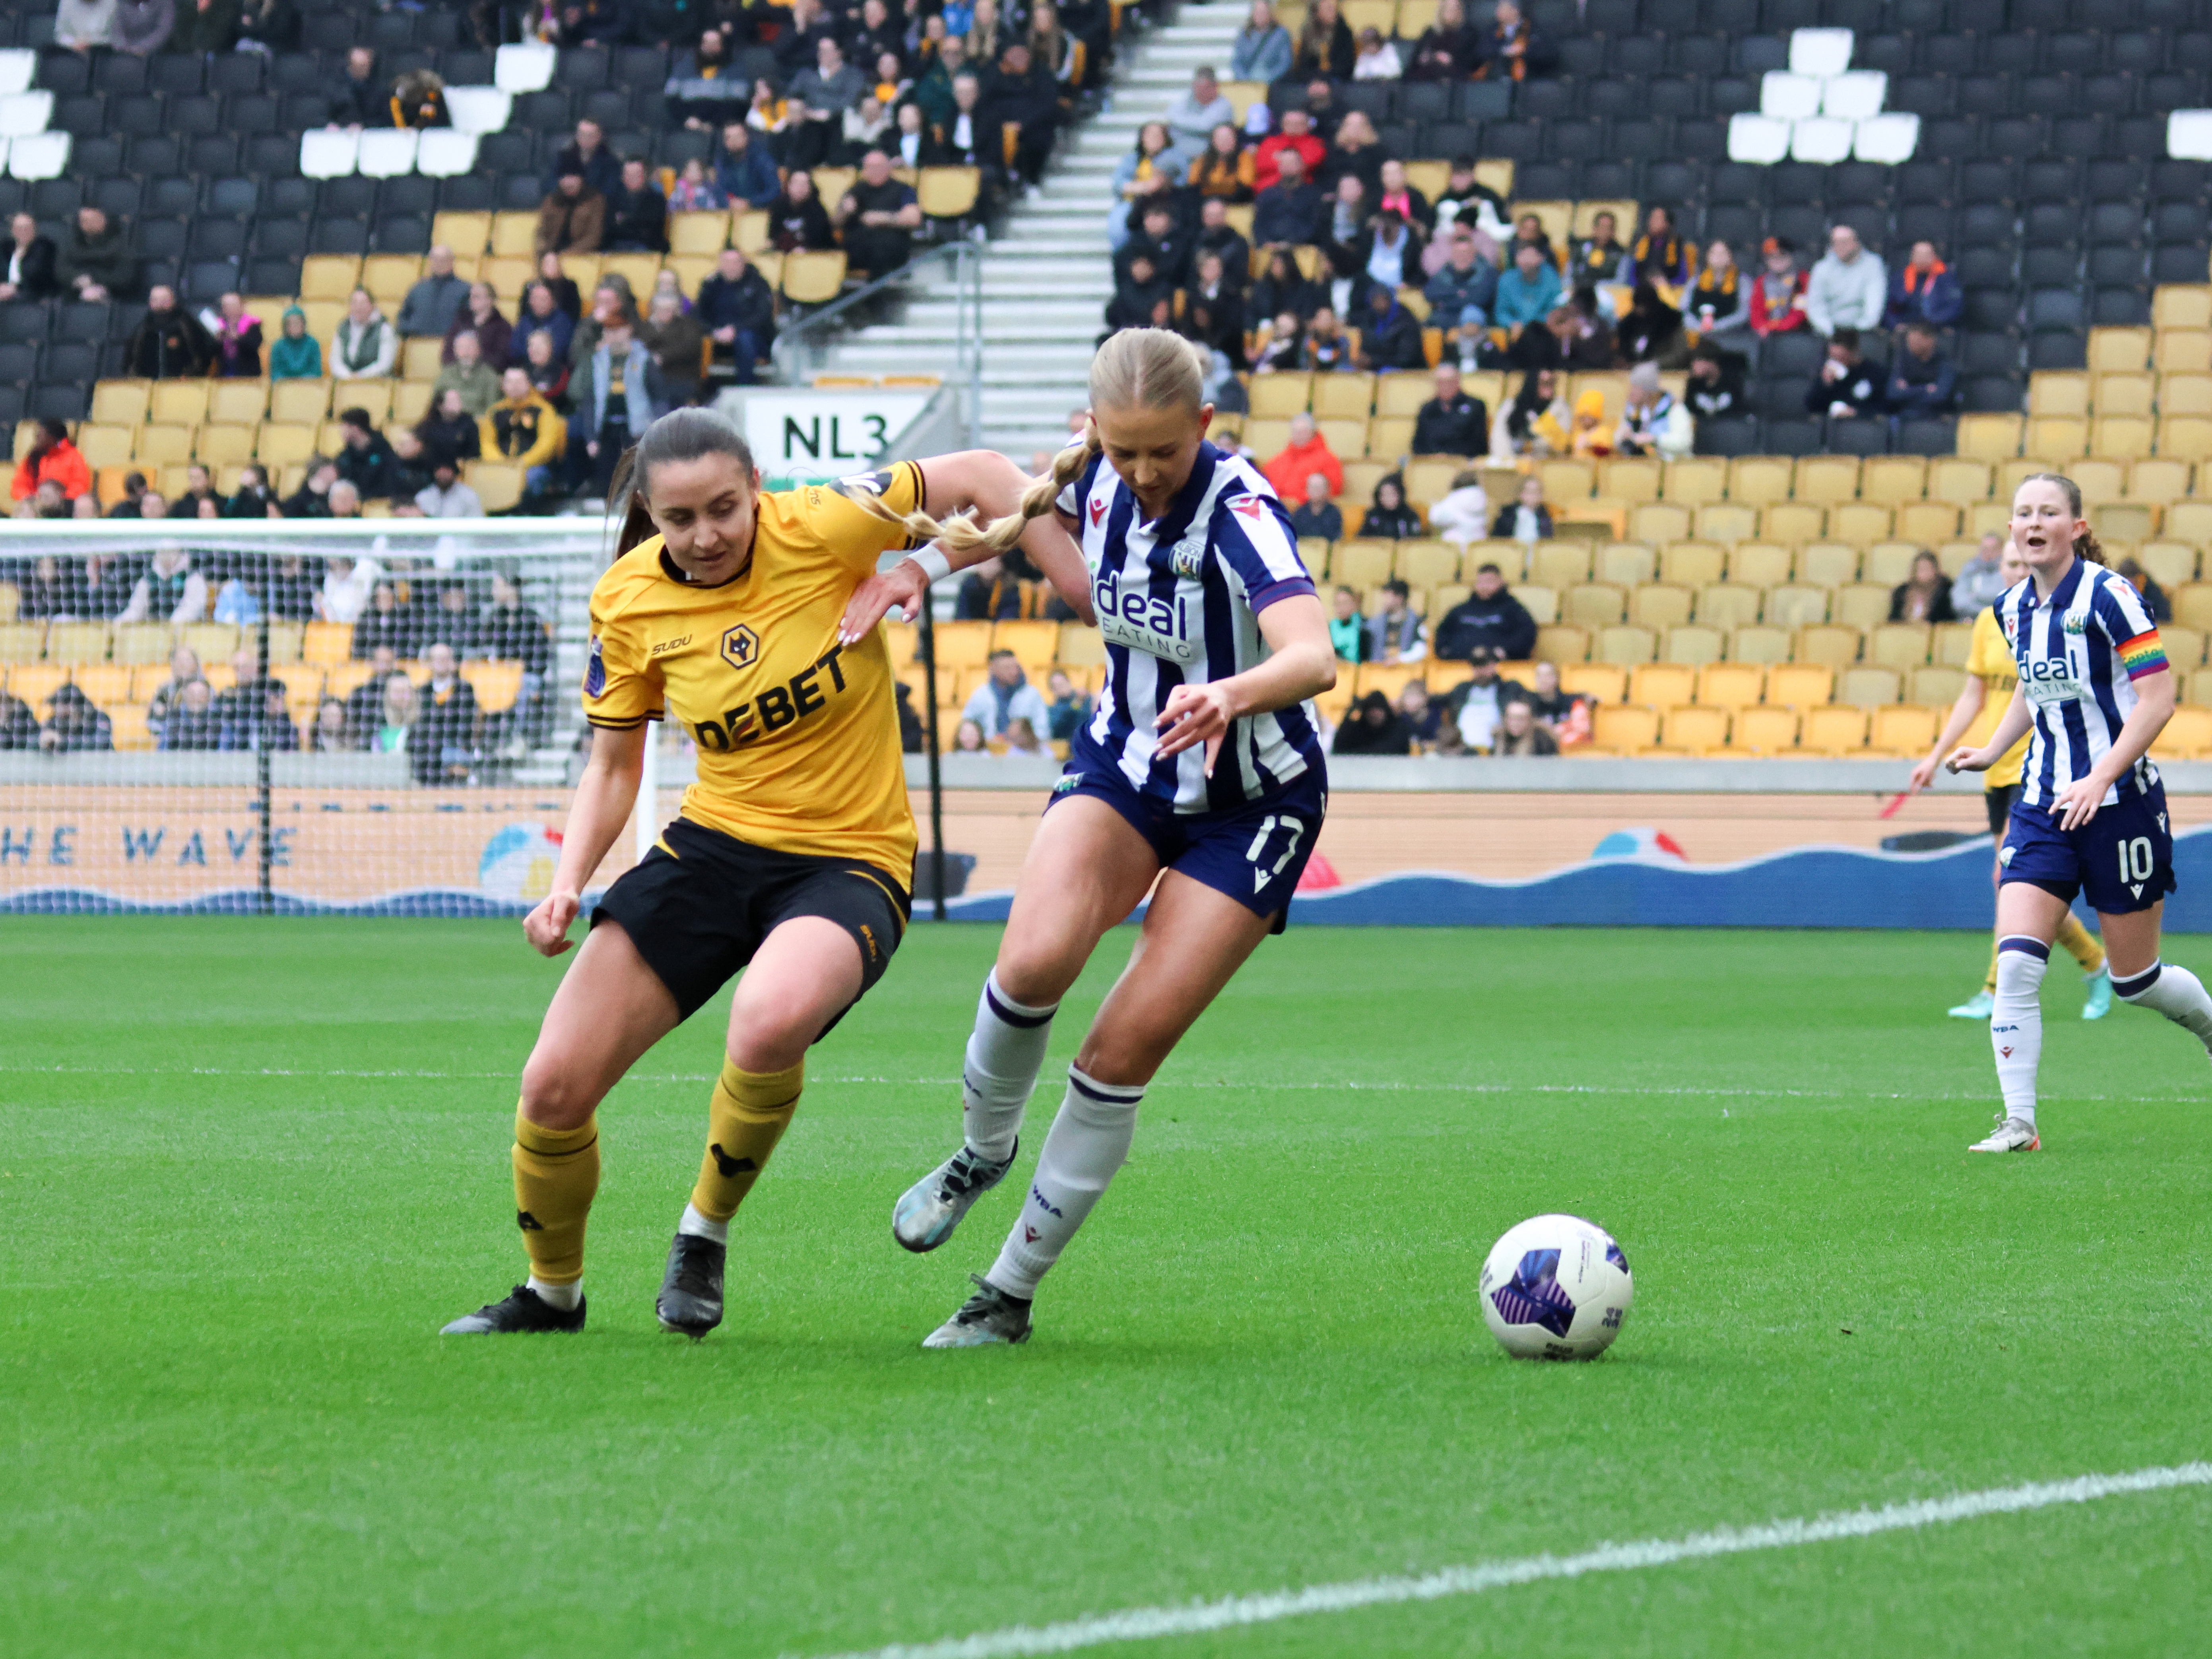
(797, 734)
(1989, 659)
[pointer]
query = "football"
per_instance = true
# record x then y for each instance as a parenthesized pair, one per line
(1556, 1287)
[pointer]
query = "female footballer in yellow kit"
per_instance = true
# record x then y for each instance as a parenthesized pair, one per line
(793, 853)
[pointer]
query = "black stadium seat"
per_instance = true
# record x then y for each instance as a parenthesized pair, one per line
(177, 74)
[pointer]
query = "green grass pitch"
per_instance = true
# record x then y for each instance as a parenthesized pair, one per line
(247, 1169)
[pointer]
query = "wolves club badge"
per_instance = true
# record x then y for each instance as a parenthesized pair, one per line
(869, 483)
(595, 670)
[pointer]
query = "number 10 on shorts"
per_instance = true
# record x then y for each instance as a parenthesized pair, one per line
(2136, 865)
(1293, 829)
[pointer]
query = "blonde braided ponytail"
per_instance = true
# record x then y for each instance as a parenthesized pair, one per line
(1136, 369)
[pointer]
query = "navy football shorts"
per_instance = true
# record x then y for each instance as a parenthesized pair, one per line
(1254, 852)
(2121, 860)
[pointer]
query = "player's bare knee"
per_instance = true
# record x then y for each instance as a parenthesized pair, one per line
(554, 1096)
(773, 1044)
(1126, 1058)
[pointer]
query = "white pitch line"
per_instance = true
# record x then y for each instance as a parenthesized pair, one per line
(1146, 1623)
(1349, 1085)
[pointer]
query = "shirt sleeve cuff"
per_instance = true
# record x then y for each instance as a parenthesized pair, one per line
(1289, 589)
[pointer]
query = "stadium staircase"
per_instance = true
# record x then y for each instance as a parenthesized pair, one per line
(1045, 285)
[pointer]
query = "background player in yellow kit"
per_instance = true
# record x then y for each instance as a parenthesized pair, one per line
(1991, 674)
(794, 852)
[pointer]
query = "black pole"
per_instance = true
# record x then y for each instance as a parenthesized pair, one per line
(936, 769)
(267, 899)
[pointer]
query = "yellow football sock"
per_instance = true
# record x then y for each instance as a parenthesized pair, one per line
(2081, 944)
(1990, 982)
(749, 1113)
(557, 1173)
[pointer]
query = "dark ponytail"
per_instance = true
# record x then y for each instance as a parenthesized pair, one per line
(2086, 545)
(681, 435)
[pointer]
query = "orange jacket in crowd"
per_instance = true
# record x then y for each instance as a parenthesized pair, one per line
(1288, 471)
(64, 464)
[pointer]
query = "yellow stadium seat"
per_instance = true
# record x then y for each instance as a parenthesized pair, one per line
(1623, 729)
(1731, 684)
(497, 684)
(1624, 645)
(1959, 479)
(2170, 564)
(1800, 685)
(224, 446)
(2057, 437)
(76, 642)
(1661, 685)
(1898, 645)
(1566, 479)
(2181, 305)
(1346, 437)
(178, 403)
(1990, 437)
(142, 642)
(813, 278)
(1600, 682)
(1888, 563)
(1893, 480)
(1361, 564)
(1728, 605)
(1859, 604)
(1904, 731)
(1426, 481)
(1827, 564)
(1659, 605)
(121, 403)
(22, 642)
(1559, 564)
(1697, 728)
(2188, 735)
(2103, 479)
(1630, 478)
(2163, 480)
(1792, 524)
(2184, 394)
(1626, 564)
(103, 683)
(1830, 645)
(1594, 605)
(1695, 481)
(1280, 396)
(2124, 394)
(1034, 644)
(1763, 731)
(1868, 688)
(1828, 478)
(1659, 522)
(2117, 350)
(1833, 729)
(1757, 480)
(1861, 522)
(35, 682)
(211, 642)
(1935, 686)
(238, 403)
(1693, 644)
(1950, 643)
(1691, 564)
(1560, 644)
(1727, 522)
(1758, 642)
(1760, 564)
(1794, 604)
(1390, 439)
(1541, 603)
(962, 644)
(1427, 563)
(1343, 396)
(1927, 522)
(2057, 393)
(2184, 645)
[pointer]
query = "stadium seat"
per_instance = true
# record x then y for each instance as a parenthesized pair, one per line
(1763, 731)
(1833, 729)
(1661, 685)
(1695, 729)
(1731, 684)
(1623, 729)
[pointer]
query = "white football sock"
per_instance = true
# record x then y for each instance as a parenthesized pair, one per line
(2016, 1021)
(2174, 991)
(704, 1226)
(1089, 1141)
(1005, 1054)
(564, 1296)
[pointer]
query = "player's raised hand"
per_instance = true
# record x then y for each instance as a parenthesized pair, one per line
(902, 588)
(1195, 715)
(547, 927)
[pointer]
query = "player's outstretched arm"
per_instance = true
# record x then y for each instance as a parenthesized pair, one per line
(2077, 803)
(999, 507)
(2010, 730)
(1301, 663)
(604, 799)
(1964, 712)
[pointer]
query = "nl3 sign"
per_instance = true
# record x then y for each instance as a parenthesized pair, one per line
(806, 435)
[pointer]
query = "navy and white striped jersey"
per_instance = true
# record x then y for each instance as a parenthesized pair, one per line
(1178, 601)
(2080, 654)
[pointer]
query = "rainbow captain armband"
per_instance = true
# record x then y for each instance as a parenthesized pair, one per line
(2143, 655)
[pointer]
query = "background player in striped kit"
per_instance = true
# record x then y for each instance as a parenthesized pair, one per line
(2094, 690)
(1990, 680)
(1201, 769)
